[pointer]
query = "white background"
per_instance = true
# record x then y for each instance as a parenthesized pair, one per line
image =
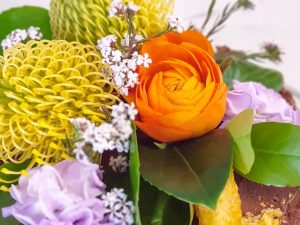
(273, 20)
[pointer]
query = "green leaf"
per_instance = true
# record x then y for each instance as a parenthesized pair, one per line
(246, 71)
(201, 165)
(158, 208)
(24, 17)
(240, 130)
(134, 171)
(12, 167)
(277, 154)
(6, 200)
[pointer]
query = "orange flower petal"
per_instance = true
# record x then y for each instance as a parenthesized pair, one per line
(162, 133)
(182, 94)
(193, 37)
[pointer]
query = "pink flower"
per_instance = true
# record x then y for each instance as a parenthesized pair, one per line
(268, 105)
(64, 194)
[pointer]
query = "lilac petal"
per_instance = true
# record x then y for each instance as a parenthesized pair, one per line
(59, 195)
(87, 212)
(89, 177)
(268, 105)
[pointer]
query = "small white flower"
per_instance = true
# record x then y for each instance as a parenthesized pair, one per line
(124, 91)
(118, 80)
(116, 56)
(131, 64)
(119, 164)
(139, 60)
(107, 136)
(125, 41)
(124, 111)
(34, 33)
(80, 154)
(106, 52)
(132, 7)
(115, 7)
(117, 209)
(15, 37)
(20, 35)
(123, 67)
(82, 124)
(133, 79)
(146, 60)
(6, 43)
(106, 41)
(176, 23)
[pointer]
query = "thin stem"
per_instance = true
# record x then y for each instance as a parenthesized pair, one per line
(132, 35)
(156, 36)
(227, 12)
(209, 14)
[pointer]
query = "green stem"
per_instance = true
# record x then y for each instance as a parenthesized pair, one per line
(209, 14)
(159, 209)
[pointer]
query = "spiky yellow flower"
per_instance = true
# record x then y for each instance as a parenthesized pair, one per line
(88, 20)
(42, 85)
(228, 211)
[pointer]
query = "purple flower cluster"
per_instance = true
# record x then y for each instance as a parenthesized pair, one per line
(68, 193)
(268, 105)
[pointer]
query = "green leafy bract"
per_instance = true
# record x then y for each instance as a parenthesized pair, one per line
(6, 200)
(240, 130)
(158, 208)
(5, 178)
(246, 71)
(277, 154)
(134, 171)
(201, 165)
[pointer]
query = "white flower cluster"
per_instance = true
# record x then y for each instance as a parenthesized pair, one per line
(117, 209)
(19, 35)
(176, 24)
(119, 163)
(34, 33)
(123, 66)
(107, 136)
(118, 7)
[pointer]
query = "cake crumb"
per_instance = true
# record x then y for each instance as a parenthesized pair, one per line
(263, 204)
(267, 217)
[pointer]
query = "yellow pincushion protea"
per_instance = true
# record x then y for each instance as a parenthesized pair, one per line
(228, 211)
(42, 85)
(88, 20)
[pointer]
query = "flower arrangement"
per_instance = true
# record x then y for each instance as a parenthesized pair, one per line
(135, 119)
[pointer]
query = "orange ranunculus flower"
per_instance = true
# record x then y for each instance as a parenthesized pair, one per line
(182, 95)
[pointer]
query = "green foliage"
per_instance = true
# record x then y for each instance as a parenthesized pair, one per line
(10, 178)
(24, 17)
(240, 130)
(277, 154)
(134, 171)
(246, 71)
(158, 208)
(6, 200)
(201, 165)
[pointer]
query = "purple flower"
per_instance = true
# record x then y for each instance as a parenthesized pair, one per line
(268, 105)
(64, 194)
